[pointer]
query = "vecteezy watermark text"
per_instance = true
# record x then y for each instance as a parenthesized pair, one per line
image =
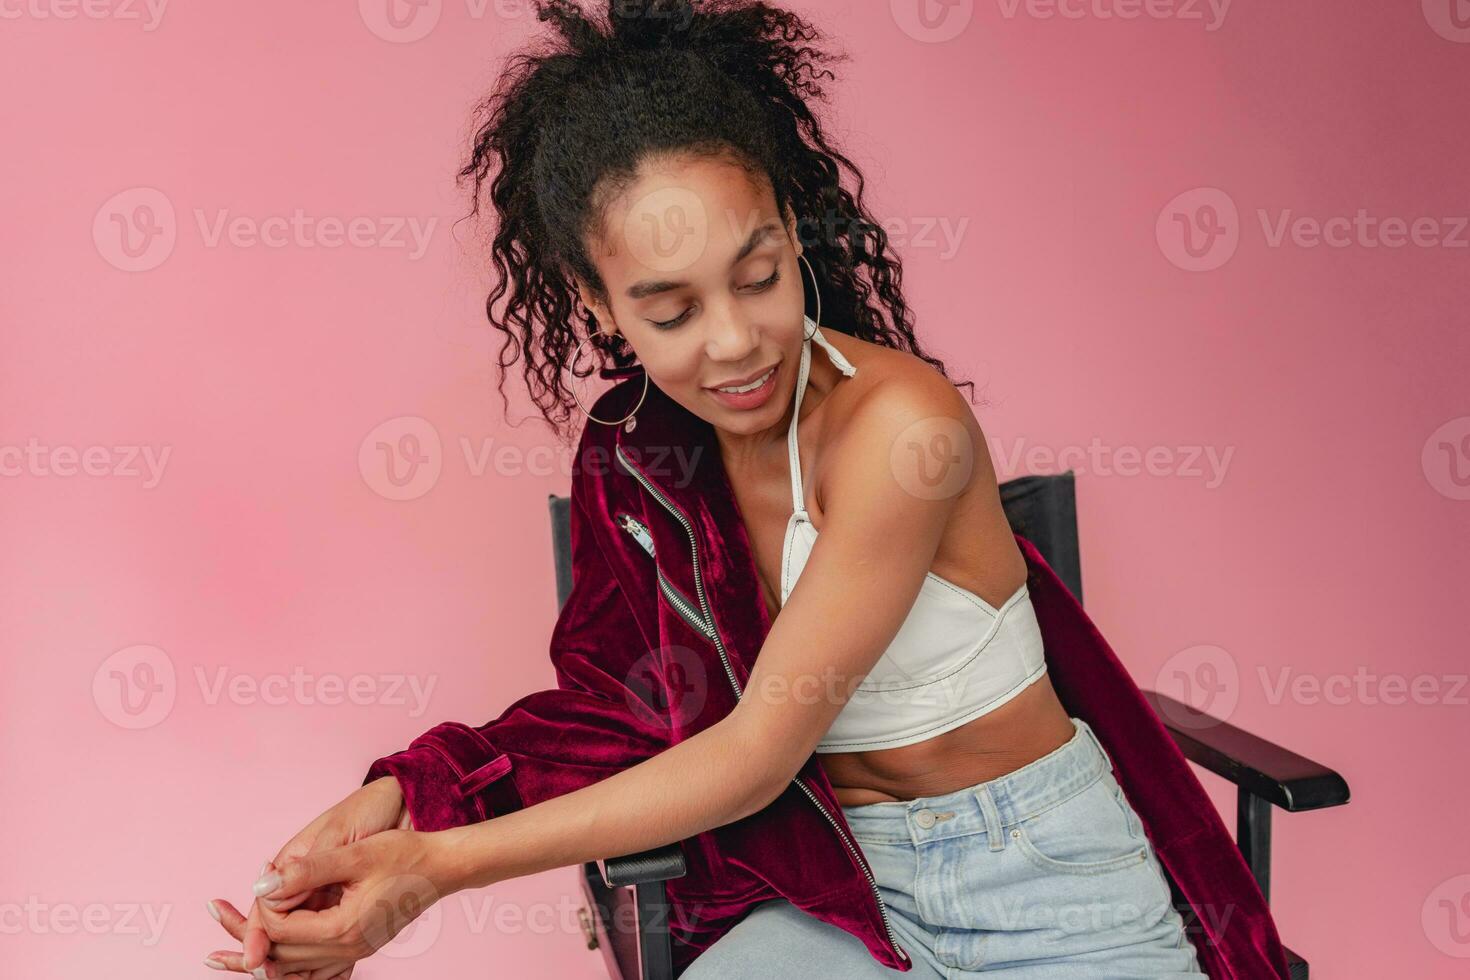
(1207, 463)
(124, 462)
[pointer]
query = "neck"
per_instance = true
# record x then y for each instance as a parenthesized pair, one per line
(747, 450)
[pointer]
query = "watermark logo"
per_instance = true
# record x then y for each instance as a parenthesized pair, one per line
(933, 457)
(401, 458)
(672, 682)
(1198, 230)
(667, 229)
(403, 918)
(1446, 917)
(1204, 677)
(400, 21)
(1446, 458)
(1450, 19)
(135, 230)
(135, 687)
(932, 21)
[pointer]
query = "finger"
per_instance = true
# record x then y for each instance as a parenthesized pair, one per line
(302, 968)
(306, 927)
(309, 871)
(227, 916)
(233, 961)
(306, 959)
(256, 944)
(288, 903)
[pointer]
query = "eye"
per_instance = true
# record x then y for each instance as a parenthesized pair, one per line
(671, 324)
(765, 284)
(757, 287)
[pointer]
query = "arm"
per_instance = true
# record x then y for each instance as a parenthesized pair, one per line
(852, 595)
(708, 780)
(552, 741)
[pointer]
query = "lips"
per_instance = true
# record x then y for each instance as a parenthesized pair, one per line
(755, 397)
(742, 381)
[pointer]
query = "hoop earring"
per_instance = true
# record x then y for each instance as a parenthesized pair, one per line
(817, 320)
(631, 422)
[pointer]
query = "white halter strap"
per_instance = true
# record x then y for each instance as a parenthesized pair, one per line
(843, 365)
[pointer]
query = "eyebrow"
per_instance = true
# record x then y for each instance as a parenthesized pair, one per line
(650, 287)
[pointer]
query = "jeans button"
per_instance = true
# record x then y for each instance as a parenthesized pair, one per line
(924, 818)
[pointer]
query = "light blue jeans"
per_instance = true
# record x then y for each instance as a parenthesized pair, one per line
(1041, 874)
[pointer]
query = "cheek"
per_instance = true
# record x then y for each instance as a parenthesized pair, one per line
(673, 361)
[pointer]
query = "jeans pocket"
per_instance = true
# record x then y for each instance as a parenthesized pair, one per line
(1092, 832)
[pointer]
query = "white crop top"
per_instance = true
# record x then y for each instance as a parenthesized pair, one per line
(955, 657)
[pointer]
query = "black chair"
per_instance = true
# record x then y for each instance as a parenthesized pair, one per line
(627, 912)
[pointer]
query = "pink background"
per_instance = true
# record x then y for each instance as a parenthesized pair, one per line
(1329, 548)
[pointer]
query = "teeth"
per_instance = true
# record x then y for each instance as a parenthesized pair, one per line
(750, 387)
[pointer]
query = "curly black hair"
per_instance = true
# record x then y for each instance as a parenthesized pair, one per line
(568, 125)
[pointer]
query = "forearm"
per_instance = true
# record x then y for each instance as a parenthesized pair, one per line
(705, 781)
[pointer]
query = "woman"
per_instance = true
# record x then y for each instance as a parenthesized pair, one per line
(669, 175)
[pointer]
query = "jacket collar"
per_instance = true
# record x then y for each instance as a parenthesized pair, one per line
(679, 453)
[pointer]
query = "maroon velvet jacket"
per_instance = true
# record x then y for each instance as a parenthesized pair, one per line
(657, 638)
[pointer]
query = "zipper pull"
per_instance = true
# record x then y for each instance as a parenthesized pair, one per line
(639, 532)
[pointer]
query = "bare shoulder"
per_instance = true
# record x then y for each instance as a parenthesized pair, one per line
(908, 427)
(900, 415)
(900, 395)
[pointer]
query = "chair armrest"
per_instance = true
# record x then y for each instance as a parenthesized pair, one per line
(1265, 769)
(659, 864)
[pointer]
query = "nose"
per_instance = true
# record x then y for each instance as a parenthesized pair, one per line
(731, 337)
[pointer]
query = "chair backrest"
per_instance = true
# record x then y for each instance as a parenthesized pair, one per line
(561, 544)
(1042, 509)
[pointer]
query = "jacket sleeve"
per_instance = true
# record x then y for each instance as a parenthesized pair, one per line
(549, 742)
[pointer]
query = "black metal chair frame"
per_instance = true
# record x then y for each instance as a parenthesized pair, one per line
(626, 914)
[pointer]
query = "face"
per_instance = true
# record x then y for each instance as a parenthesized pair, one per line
(704, 283)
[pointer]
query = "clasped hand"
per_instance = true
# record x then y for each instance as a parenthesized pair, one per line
(338, 891)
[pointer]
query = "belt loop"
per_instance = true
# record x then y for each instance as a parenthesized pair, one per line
(991, 812)
(1098, 742)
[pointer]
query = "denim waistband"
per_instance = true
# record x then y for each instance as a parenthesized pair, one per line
(991, 806)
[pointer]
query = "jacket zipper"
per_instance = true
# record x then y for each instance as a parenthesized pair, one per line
(708, 628)
(671, 592)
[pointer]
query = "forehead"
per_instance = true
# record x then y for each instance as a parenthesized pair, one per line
(681, 216)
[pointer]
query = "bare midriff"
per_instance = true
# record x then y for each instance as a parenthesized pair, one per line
(1017, 733)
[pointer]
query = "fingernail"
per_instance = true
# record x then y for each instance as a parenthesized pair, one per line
(212, 911)
(214, 964)
(259, 973)
(267, 883)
